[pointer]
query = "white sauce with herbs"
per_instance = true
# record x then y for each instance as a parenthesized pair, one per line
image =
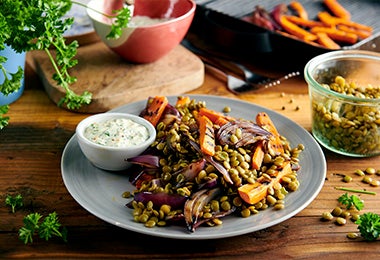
(118, 132)
(140, 20)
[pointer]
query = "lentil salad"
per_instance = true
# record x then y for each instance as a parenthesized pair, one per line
(177, 183)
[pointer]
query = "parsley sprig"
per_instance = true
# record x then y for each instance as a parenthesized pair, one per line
(46, 229)
(351, 201)
(14, 202)
(369, 226)
(38, 25)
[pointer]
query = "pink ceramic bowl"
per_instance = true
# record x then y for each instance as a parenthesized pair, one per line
(145, 43)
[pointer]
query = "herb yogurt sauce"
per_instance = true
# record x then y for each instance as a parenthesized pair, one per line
(118, 132)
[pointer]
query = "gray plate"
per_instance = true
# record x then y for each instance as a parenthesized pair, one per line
(99, 192)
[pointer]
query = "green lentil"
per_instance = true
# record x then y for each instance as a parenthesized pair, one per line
(340, 221)
(370, 170)
(245, 213)
(327, 216)
(347, 178)
(227, 109)
(355, 216)
(279, 206)
(359, 172)
(352, 235)
(367, 179)
(346, 127)
(150, 223)
(337, 211)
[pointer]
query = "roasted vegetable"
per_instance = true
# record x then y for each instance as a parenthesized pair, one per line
(253, 193)
(206, 135)
(266, 122)
(154, 109)
(330, 30)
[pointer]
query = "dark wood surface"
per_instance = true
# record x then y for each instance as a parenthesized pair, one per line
(30, 156)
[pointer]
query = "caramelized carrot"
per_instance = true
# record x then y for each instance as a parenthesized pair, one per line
(155, 108)
(182, 101)
(215, 117)
(337, 9)
(206, 135)
(362, 34)
(299, 9)
(303, 22)
(254, 192)
(296, 30)
(328, 19)
(336, 35)
(258, 157)
(326, 41)
(263, 120)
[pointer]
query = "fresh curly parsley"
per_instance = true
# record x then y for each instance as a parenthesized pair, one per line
(350, 201)
(369, 226)
(38, 25)
(3, 118)
(14, 202)
(46, 229)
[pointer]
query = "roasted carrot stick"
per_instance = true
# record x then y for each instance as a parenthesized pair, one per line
(336, 35)
(254, 192)
(337, 9)
(328, 19)
(206, 135)
(296, 30)
(263, 120)
(182, 101)
(326, 41)
(258, 157)
(299, 9)
(155, 108)
(215, 117)
(361, 33)
(304, 22)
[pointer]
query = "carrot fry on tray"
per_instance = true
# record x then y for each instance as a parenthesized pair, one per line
(299, 9)
(361, 33)
(333, 28)
(326, 18)
(336, 35)
(326, 41)
(304, 22)
(337, 9)
(294, 29)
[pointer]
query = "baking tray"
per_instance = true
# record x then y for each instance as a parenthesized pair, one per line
(219, 22)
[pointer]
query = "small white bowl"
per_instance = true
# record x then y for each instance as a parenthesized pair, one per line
(109, 157)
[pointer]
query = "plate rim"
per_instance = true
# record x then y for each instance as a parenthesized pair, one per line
(194, 236)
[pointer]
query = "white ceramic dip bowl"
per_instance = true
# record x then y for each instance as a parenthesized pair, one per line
(109, 139)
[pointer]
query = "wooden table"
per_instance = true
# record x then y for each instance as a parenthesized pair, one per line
(30, 156)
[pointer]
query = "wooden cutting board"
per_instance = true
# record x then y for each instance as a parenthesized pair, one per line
(114, 82)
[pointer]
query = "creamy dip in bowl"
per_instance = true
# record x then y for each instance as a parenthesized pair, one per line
(109, 139)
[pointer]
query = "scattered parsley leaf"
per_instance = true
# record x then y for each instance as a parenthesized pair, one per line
(15, 202)
(30, 226)
(48, 228)
(350, 201)
(369, 226)
(4, 120)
